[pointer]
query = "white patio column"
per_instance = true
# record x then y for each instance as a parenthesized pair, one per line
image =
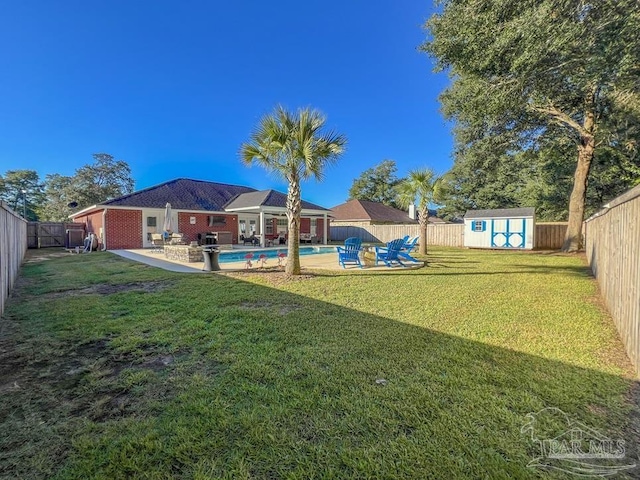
(263, 240)
(325, 227)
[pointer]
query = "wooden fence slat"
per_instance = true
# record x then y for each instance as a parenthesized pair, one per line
(49, 234)
(448, 234)
(549, 236)
(13, 245)
(613, 252)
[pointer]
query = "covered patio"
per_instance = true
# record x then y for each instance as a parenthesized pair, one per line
(263, 214)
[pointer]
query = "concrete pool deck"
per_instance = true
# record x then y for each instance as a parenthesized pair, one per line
(322, 261)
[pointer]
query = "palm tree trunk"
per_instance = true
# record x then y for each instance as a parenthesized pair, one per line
(423, 220)
(586, 149)
(294, 207)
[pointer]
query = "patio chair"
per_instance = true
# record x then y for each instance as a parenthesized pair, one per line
(390, 253)
(410, 244)
(350, 253)
(252, 240)
(280, 239)
(157, 241)
(308, 238)
(177, 238)
(407, 248)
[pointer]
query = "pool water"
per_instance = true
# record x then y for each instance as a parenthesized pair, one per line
(238, 255)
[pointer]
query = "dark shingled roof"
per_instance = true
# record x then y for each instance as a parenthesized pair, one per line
(364, 210)
(183, 194)
(266, 198)
(501, 213)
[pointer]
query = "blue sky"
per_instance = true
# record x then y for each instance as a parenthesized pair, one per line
(174, 87)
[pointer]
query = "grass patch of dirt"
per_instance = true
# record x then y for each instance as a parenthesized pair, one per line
(112, 369)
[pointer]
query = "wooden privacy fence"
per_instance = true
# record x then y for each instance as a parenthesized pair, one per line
(13, 245)
(549, 236)
(49, 234)
(613, 252)
(446, 234)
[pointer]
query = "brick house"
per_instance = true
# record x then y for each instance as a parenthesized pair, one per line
(198, 208)
(361, 213)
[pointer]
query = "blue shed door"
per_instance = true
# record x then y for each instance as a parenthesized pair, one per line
(508, 233)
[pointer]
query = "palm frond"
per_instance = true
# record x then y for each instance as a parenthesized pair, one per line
(418, 188)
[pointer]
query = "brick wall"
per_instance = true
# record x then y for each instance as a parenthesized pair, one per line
(202, 226)
(124, 229)
(92, 224)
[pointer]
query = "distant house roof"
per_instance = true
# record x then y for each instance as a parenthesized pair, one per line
(265, 198)
(182, 194)
(364, 210)
(501, 213)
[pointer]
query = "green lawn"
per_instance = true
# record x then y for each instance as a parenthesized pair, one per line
(111, 369)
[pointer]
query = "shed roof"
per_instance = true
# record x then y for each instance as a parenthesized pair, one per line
(501, 213)
(265, 198)
(183, 194)
(364, 210)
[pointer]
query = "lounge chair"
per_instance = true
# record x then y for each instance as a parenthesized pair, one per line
(390, 253)
(350, 253)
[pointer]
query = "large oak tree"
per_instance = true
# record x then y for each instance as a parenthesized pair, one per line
(528, 72)
(377, 184)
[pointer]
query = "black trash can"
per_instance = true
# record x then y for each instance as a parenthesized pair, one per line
(210, 255)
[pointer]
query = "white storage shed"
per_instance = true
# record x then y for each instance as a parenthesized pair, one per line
(502, 228)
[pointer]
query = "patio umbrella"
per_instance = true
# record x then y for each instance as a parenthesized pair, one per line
(167, 226)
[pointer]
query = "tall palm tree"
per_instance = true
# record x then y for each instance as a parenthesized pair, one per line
(293, 146)
(421, 187)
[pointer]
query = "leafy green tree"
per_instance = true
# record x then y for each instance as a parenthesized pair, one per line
(530, 71)
(377, 184)
(60, 193)
(422, 188)
(105, 179)
(293, 146)
(22, 191)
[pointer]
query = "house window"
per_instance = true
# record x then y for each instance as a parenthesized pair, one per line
(216, 220)
(479, 225)
(314, 226)
(283, 225)
(268, 227)
(152, 222)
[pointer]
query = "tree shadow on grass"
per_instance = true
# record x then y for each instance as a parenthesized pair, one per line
(220, 377)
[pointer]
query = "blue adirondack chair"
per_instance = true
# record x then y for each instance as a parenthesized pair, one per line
(390, 253)
(350, 253)
(410, 244)
(407, 248)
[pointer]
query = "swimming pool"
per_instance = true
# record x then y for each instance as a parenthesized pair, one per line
(227, 256)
